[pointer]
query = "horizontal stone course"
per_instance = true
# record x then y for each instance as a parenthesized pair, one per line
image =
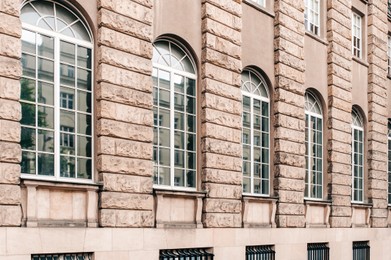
(221, 132)
(221, 220)
(9, 173)
(222, 118)
(221, 176)
(223, 162)
(10, 215)
(10, 46)
(10, 25)
(222, 206)
(126, 218)
(9, 131)
(10, 194)
(124, 130)
(221, 30)
(221, 147)
(118, 200)
(124, 148)
(10, 152)
(222, 16)
(123, 165)
(222, 191)
(126, 183)
(131, 9)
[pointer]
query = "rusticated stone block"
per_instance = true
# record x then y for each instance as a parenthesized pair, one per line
(222, 118)
(130, 9)
(222, 16)
(9, 88)
(290, 196)
(10, 194)
(221, 30)
(379, 222)
(122, 165)
(232, 7)
(222, 206)
(10, 7)
(124, 148)
(221, 132)
(290, 184)
(10, 46)
(221, 103)
(9, 173)
(10, 67)
(10, 152)
(341, 200)
(221, 60)
(10, 109)
(290, 209)
(221, 147)
(124, 130)
(221, 220)
(9, 131)
(10, 215)
(221, 45)
(340, 222)
(289, 172)
(289, 159)
(117, 200)
(223, 191)
(221, 176)
(125, 42)
(290, 221)
(10, 25)
(126, 183)
(223, 162)
(125, 113)
(221, 74)
(125, 78)
(290, 134)
(126, 218)
(123, 24)
(339, 211)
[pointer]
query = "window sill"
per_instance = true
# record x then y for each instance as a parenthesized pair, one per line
(248, 196)
(316, 38)
(358, 204)
(67, 185)
(360, 61)
(312, 201)
(260, 8)
(178, 192)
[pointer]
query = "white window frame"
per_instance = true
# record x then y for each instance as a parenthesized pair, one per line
(354, 174)
(312, 16)
(253, 97)
(357, 34)
(57, 38)
(309, 154)
(259, 2)
(389, 162)
(172, 73)
(389, 55)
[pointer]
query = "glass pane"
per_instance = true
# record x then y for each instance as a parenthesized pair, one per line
(246, 168)
(265, 109)
(191, 145)
(179, 158)
(45, 141)
(246, 136)
(191, 123)
(45, 46)
(191, 105)
(46, 164)
(84, 124)
(45, 117)
(28, 41)
(265, 124)
(67, 166)
(257, 138)
(164, 117)
(155, 93)
(179, 83)
(67, 52)
(191, 160)
(67, 119)
(67, 143)
(179, 121)
(179, 140)
(179, 102)
(257, 154)
(257, 122)
(28, 114)
(29, 15)
(164, 79)
(246, 104)
(45, 93)
(28, 63)
(257, 186)
(28, 162)
(164, 137)
(246, 119)
(191, 179)
(155, 135)
(257, 107)
(265, 156)
(265, 171)
(67, 96)
(246, 185)
(257, 170)
(84, 146)
(84, 101)
(45, 69)
(265, 187)
(84, 79)
(164, 156)
(84, 168)
(164, 176)
(190, 87)
(27, 91)
(67, 75)
(84, 57)
(80, 31)
(246, 152)
(27, 138)
(164, 98)
(154, 77)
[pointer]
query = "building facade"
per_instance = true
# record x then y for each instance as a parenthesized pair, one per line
(144, 129)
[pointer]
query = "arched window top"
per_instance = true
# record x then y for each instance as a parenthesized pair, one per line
(55, 17)
(357, 119)
(169, 54)
(254, 83)
(312, 104)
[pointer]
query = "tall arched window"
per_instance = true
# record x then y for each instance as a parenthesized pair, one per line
(255, 134)
(357, 157)
(56, 93)
(175, 116)
(313, 147)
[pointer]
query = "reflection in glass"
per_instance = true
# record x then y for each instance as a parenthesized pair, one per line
(84, 124)
(27, 91)
(179, 177)
(28, 162)
(84, 168)
(28, 41)
(45, 117)
(67, 75)
(84, 146)
(84, 79)
(45, 141)
(84, 101)
(45, 69)
(45, 46)
(67, 166)
(67, 52)
(27, 138)
(45, 93)
(84, 57)
(46, 164)
(28, 114)
(29, 67)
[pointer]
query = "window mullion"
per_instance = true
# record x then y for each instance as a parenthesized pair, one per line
(310, 156)
(252, 144)
(172, 129)
(57, 107)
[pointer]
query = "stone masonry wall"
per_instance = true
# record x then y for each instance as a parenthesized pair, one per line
(289, 119)
(124, 112)
(339, 65)
(10, 113)
(221, 112)
(377, 111)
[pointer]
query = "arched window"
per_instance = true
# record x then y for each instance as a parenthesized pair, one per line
(357, 157)
(56, 93)
(313, 147)
(255, 134)
(175, 116)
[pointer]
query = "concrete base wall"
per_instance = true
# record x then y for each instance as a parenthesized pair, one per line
(226, 243)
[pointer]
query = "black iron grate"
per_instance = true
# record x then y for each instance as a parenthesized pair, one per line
(185, 254)
(361, 250)
(265, 252)
(318, 251)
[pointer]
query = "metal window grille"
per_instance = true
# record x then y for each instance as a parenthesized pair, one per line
(361, 250)
(73, 256)
(318, 251)
(265, 252)
(185, 254)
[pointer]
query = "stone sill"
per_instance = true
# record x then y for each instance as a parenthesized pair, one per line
(316, 38)
(360, 61)
(260, 8)
(316, 202)
(252, 197)
(61, 185)
(179, 193)
(361, 204)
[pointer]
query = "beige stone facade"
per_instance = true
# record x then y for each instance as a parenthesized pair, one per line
(123, 211)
